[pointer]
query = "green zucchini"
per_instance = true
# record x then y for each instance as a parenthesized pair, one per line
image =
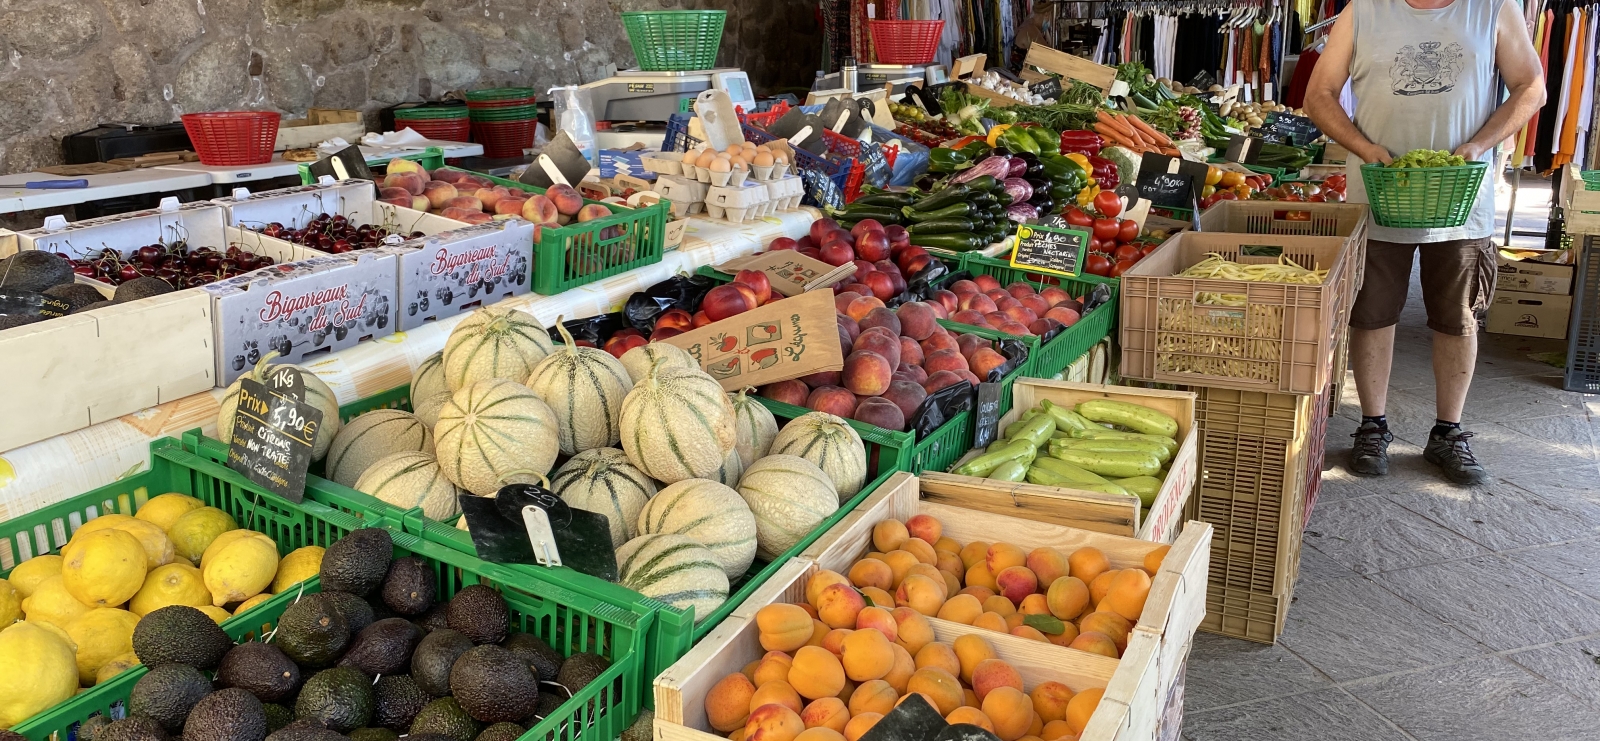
(953, 211)
(955, 242)
(941, 226)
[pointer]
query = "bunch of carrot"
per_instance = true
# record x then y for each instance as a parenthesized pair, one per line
(1127, 130)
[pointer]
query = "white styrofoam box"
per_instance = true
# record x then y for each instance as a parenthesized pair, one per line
(302, 309)
(297, 206)
(448, 273)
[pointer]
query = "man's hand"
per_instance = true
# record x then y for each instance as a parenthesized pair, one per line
(1375, 153)
(1471, 151)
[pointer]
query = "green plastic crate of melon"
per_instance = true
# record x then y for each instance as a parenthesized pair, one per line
(591, 649)
(1060, 297)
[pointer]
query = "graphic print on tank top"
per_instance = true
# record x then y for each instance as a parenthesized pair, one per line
(1426, 69)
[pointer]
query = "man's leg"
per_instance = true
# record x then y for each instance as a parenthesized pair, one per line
(1457, 284)
(1454, 357)
(1372, 321)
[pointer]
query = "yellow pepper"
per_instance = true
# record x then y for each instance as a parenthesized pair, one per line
(994, 133)
(1213, 176)
(1087, 195)
(1082, 161)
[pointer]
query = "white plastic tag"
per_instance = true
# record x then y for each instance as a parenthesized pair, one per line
(170, 203)
(541, 536)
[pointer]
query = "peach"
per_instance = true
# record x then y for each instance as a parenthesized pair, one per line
(904, 667)
(999, 294)
(728, 702)
(881, 317)
(1129, 589)
(842, 299)
(917, 320)
(986, 282)
(867, 655)
(978, 591)
(728, 300)
(1034, 604)
(1053, 295)
(879, 342)
(510, 206)
(773, 723)
(1002, 556)
(1018, 289)
(944, 360)
(439, 193)
(980, 575)
(859, 725)
(1095, 643)
(962, 608)
(412, 182)
(975, 552)
(880, 412)
(838, 605)
(832, 400)
(1043, 326)
(1035, 304)
(783, 627)
(1153, 559)
(1013, 327)
(1011, 711)
(948, 299)
(1004, 305)
(990, 674)
(469, 203)
(404, 165)
(873, 696)
(792, 392)
(1050, 701)
(450, 212)
(861, 307)
(593, 212)
(870, 572)
(979, 303)
(1020, 314)
(972, 650)
(566, 199)
(970, 716)
(1081, 707)
(915, 630)
(910, 351)
(1015, 583)
(879, 619)
(828, 713)
(393, 193)
(985, 360)
(776, 692)
(920, 593)
(1109, 624)
(1065, 315)
(492, 196)
(881, 285)
(849, 326)
(968, 344)
(939, 341)
(1047, 563)
(1067, 597)
(773, 667)
(991, 621)
(912, 374)
(813, 380)
(964, 286)
(906, 395)
(970, 317)
(939, 686)
(834, 640)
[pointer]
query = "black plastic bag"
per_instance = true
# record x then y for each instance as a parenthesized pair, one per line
(678, 292)
(595, 329)
(943, 405)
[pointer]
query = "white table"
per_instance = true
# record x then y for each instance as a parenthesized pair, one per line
(14, 197)
(280, 168)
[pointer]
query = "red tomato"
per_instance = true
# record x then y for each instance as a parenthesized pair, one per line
(1294, 197)
(1334, 196)
(1318, 198)
(1210, 200)
(1148, 248)
(1226, 195)
(1097, 265)
(1076, 217)
(1128, 230)
(1121, 267)
(1105, 229)
(1129, 252)
(1107, 203)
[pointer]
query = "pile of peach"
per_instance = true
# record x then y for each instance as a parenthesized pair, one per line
(1017, 309)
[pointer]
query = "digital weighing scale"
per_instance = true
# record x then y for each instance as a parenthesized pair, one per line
(637, 95)
(875, 76)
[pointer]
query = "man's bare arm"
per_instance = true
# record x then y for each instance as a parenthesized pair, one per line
(1322, 94)
(1520, 69)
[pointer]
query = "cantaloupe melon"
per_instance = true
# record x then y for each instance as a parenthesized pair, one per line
(585, 387)
(371, 436)
(731, 470)
(317, 394)
(603, 480)
(677, 424)
(494, 343)
(829, 442)
(491, 429)
(675, 570)
(428, 379)
(412, 479)
(790, 497)
(428, 409)
(641, 360)
(754, 425)
(707, 513)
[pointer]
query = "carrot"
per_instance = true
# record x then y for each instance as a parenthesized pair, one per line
(1120, 126)
(1155, 136)
(1115, 136)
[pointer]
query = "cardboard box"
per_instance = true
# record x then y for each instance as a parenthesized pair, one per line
(1532, 276)
(1530, 314)
(776, 342)
(1334, 153)
(459, 270)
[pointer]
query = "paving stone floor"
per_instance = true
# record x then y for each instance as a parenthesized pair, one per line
(1427, 611)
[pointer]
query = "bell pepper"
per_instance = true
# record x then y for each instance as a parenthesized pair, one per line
(1105, 172)
(1017, 140)
(1086, 196)
(994, 134)
(1082, 160)
(947, 160)
(1081, 142)
(1047, 139)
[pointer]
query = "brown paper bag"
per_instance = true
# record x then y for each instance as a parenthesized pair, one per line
(782, 340)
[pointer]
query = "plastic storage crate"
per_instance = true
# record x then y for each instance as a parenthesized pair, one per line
(677, 138)
(431, 158)
(675, 40)
(830, 183)
(1054, 356)
(905, 42)
(1422, 197)
(1583, 331)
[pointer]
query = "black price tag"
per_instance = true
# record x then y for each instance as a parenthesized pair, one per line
(988, 415)
(346, 164)
(1048, 88)
(1050, 249)
(31, 303)
(286, 381)
(912, 720)
(1288, 128)
(272, 437)
(1243, 149)
(1169, 181)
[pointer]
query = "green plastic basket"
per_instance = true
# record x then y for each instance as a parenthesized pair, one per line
(1061, 350)
(447, 113)
(1422, 197)
(497, 94)
(675, 40)
(431, 158)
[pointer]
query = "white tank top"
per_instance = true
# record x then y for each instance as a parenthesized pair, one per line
(1424, 79)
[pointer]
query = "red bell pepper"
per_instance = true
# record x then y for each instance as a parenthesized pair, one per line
(1081, 142)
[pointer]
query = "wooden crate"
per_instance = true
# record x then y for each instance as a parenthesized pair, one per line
(1067, 65)
(319, 125)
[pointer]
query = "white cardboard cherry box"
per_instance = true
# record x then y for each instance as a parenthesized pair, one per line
(455, 271)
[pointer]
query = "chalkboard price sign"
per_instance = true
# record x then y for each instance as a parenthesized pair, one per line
(1050, 249)
(1048, 88)
(1169, 181)
(273, 434)
(1291, 129)
(988, 428)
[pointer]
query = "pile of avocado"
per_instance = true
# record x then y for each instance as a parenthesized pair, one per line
(371, 657)
(35, 271)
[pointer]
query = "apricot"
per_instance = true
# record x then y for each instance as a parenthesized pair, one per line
(880, 597)
(947, 544)
(970, 716)
(952, 583)
(1011, 711)
(962, 608)
(949, 563)
(834, 640)
(870, 572)
(873, 696)
(887, 535)
(1055, 730)
(1035, 726)
(1050, 702)
(773, 667)
(1088, 562)
(867, 655)
(1128, 592)
(1047, 564)
(1029, 632)
(1100, 586)
(1067, 597)
(773, 723)
(816, 673)
(810, 610)
(904, 667)
(928, 571)
(776, 692)
(940, 686)
(826, 712)
(977, 590)
(1081, 708)
(921, 594)
(1015, 583)
(820, 581)
(969, 699)
(980, 575)
(975, 552)
(1153, 559)
(1000, 605)
(1095, 643)
(926, 527)
(783, 627)
(939, 656)
(991, 621)
(849, 689)
(915, 630)
(737, 734)
(1034, 604)
(728, 702)
(990, 674)
(879, 619)
(972, 650)
(919, 548)
(1013, 620)
(1068, 634)
(838, 604)
(859, 725)
(900, 562)
(1109, 624)
(822, 733)
(819, 633)
(1002, 556)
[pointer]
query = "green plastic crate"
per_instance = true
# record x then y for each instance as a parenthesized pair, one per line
(675, 40)
(1060, 351)
(431, 158)
(1422, 197)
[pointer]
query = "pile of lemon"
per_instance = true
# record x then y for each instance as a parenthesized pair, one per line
(67, 620)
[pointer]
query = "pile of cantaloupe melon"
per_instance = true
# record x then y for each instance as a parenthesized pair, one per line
(696, 483)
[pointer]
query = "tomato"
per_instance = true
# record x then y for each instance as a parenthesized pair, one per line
(1121, 267)
(1097, 265)
(1126, 252)
(1334, 181)
(1148, 248)
(1227, 195)
(1334, 196)
(1076, 217)
(1105, 229)
(1231, 179)
(1128, 231)
(1210, 200)
(1294, 197)
(1310, 189)
(1107, 203)
(1318, 198)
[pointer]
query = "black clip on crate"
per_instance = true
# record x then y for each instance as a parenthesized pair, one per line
(1583, 330)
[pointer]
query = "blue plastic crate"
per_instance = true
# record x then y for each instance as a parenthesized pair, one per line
(678, 139)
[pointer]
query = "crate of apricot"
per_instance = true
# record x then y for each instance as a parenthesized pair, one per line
(829, 644)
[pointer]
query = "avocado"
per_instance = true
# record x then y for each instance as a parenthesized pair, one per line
(539, 656)
(383, 648)
(75, 294)
(643, 728)
(357, 613)
(138, 288)
(435, 654)
(312, 631)
(579, 670)
(357, 562)
(436, 618)
(90, 307)
(409, 586)
(167, 693)
(7, 734)
(262, 669)
(179, 634)
(132, 729)
(494, 685)
(373, 734)
(445, 716)
(34, 270)
(278, 716)
(551, 697)
(381, 611)
(86, 729)
(502, 732)
(227, 715)
(479, 613)
(340, 697)
(427, 737)
(305, 730)
(7, 321)
(398, 700)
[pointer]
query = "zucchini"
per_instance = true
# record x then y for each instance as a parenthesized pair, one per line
(941, 226)
(1113, 465)
(1131, 416)
(955, 242)
(959, 193)
(895, 201)
(884, 214)
(953, 211)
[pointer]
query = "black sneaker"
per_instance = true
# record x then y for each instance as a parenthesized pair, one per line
(1370, 454)
(1452, 455)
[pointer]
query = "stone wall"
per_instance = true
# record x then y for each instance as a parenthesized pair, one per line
(67, 65)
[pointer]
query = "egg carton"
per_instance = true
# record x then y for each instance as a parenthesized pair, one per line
(769, 174)
(679, 188)
(785, 193)
(662, 164)
(739, 204)
(685, 209)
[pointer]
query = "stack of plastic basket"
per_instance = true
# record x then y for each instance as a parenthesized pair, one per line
(503, 120)
(440, 123)
(675, 40)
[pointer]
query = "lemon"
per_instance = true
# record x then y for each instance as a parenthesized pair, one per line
(52, 603)
(301, 564)
(252, 602)
(116, 666)
(103, 522)
(221, 542)
(158, 548)
(193, 532)
(10, 604)
(172, 584)
(101, 635)
(215, 613)
(40, 671)
(28, 574)
(240, 568)
(104, 568)
(164, 510)
(59, 632)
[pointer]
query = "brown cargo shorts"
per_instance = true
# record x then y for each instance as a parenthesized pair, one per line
(1457, 284)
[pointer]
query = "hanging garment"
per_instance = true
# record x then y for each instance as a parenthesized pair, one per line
(1568, 78)
(1519, 156)
(1569, 127)
(1302, 77)
(1586, 102)
(1548, 120)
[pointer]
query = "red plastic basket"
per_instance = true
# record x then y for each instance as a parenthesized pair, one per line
(504, 138)
(232, 137)
(450, 130)
(905, 42)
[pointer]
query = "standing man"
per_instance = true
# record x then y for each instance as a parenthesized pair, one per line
(1423, 73)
